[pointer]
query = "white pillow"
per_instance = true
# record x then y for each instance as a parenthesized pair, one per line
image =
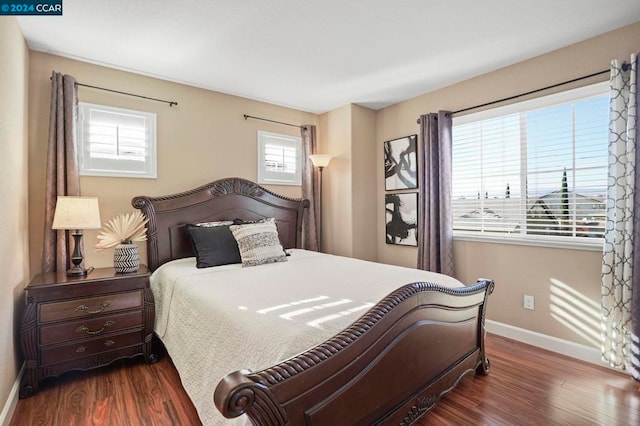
(214, 224)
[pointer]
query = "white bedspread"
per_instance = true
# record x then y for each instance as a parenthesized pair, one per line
(218, 320)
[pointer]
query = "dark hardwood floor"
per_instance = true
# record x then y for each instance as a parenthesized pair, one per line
(526, 386)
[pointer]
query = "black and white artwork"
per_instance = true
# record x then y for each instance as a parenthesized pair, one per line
(400, 163)
(401, 212)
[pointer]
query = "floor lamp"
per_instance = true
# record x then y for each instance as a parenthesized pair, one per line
(320, 161)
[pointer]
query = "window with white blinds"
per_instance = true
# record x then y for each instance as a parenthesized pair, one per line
(535, 170)
(279, 159)
(116, 142)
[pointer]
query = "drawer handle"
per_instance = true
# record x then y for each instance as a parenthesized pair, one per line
(85, 329)
(109, 343)
(85, 308)
(81, 349)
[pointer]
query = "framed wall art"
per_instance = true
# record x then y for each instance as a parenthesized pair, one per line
(401, 218)
(401, 163)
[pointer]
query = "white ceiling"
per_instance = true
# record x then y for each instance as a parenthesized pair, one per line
(317, 55)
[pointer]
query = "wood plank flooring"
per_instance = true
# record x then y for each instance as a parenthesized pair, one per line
(531, 386)
(526, 386)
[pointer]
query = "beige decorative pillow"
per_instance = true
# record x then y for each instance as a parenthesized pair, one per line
(259, 243)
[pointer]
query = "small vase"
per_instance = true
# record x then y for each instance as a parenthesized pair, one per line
(126, 258)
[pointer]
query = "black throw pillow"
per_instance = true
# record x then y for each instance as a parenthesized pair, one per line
(214, 245)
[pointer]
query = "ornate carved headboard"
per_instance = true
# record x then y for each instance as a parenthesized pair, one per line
(224, 199)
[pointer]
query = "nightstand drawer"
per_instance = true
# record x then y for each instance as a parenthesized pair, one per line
(89, 347)
(86, 328)
(90, 306)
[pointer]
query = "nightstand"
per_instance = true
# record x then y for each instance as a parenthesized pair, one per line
(80, 323)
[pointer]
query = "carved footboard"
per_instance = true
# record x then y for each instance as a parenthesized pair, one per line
(389, 367)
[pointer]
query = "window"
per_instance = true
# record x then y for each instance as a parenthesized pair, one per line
(533, 171)
(279, 159)
(116, 142)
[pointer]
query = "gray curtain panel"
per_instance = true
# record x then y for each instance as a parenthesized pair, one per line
(435, 220)
(62, 177)
(621, 254)
(310, 189)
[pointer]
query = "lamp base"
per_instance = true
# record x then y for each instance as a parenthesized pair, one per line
(77, 272)
(76, 257)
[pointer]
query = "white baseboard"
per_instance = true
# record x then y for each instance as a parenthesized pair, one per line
(554, 344)
(12, 401)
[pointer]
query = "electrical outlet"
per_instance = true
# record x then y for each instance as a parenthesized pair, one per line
(528, 302)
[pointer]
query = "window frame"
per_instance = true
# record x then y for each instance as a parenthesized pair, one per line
(151, 162)
(567, 242)
(266, 177)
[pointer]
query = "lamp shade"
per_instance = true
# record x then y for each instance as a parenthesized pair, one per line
(320, 160)
(76, 213)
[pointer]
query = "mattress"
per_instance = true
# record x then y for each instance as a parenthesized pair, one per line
(214, 321)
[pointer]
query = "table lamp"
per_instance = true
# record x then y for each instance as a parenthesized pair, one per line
(76, 214)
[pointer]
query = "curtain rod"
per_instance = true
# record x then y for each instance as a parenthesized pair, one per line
(171, 103)
(528, 93)
(272, 121)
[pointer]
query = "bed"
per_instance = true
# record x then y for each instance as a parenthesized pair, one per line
(318, 339)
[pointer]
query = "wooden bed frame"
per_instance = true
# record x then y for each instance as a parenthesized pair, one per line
(389, 367)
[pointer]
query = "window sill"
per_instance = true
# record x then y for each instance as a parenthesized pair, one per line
(118, 174)
(590, 244)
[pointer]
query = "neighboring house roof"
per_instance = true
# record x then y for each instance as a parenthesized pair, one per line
(478, 213)
(543, 213)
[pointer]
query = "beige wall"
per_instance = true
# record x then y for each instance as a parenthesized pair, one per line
(335, 139)
(202, 139)
(363, 187)
(348, 133)
(566, 283)
(14, 244)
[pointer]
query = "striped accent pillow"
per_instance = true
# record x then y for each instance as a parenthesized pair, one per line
(259, 243)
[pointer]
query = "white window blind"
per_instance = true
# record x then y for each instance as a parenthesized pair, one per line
(116, 142)
(536, 169)
(279, 159)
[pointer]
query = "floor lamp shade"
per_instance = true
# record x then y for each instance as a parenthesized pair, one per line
(76, 214)
(320, 160)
